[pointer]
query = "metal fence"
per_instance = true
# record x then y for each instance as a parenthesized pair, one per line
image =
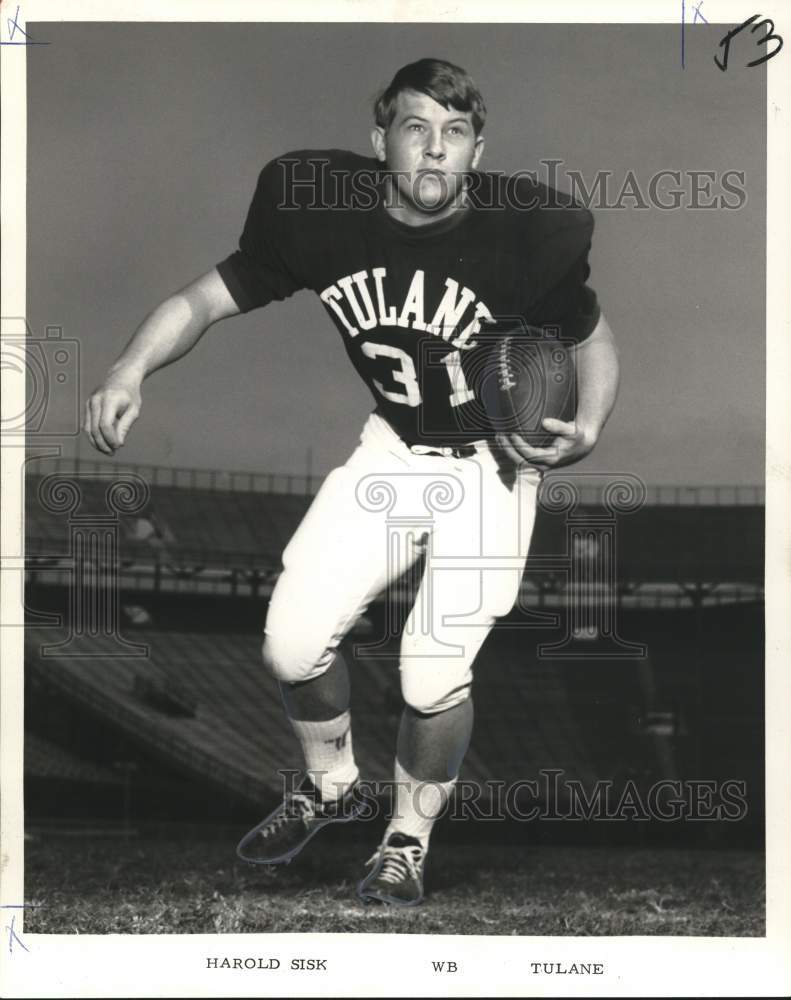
(184, 478)
(216, 480)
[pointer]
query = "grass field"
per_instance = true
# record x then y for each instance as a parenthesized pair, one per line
(185, 883)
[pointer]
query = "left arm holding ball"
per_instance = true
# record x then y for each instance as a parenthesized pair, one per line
(596, 360)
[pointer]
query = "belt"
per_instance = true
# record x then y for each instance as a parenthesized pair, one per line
(459, 451)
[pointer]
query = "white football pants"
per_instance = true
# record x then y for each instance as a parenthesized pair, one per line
(371, 520)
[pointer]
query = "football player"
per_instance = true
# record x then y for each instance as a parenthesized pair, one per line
(411, 252)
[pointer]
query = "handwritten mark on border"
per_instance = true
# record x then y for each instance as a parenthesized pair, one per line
(725, 44)
(13, 937)
(13, 26)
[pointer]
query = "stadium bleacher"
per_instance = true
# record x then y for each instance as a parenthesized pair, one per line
(48, 760)
(530, 713)
(228, 728)
(215, 527)
(690, 544)
(686, 542)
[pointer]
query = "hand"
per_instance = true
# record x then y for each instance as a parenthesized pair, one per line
(111, 411)
(570, 445)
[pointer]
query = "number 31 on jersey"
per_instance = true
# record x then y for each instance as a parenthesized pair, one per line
(405, 388)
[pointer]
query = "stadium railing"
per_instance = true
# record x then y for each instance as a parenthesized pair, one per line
(304, 484)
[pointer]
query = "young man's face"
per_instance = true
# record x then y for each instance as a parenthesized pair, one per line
(429, 148)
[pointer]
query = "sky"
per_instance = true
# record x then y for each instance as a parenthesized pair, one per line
(145, 141)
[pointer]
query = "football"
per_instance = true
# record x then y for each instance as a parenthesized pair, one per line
(527, 376)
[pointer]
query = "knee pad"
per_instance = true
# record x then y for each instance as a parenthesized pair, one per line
(292, 658)
(428, 694)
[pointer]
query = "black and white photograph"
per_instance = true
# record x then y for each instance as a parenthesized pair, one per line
(395, 501)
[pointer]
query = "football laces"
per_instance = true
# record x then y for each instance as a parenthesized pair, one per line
(507, 379)
(398, 863)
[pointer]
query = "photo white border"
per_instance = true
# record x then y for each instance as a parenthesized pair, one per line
(380, 965)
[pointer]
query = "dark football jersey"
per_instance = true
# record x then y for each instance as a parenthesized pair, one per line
(413, 304)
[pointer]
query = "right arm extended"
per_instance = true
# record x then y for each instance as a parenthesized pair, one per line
(166, 335)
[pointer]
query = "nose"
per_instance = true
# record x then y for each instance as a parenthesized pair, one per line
(435, 146)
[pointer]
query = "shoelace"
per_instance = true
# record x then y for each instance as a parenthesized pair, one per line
(398, 863)
(296, 806)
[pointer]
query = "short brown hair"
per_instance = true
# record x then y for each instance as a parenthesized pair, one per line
(448, 85)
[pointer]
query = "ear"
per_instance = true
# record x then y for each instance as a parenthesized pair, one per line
(476, 156)
(379, 143)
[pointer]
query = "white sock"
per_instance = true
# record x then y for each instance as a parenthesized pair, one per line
(418, 804)
(327, 748)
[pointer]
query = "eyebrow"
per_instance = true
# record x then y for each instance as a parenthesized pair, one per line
(450, 121)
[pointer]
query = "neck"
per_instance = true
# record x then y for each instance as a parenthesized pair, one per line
(403, 211)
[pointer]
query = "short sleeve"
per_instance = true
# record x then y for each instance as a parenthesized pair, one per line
(571, 305)
(568, 302)
(265, 267)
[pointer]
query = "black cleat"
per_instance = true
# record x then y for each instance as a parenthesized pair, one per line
(397, 875)
(299, 817)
